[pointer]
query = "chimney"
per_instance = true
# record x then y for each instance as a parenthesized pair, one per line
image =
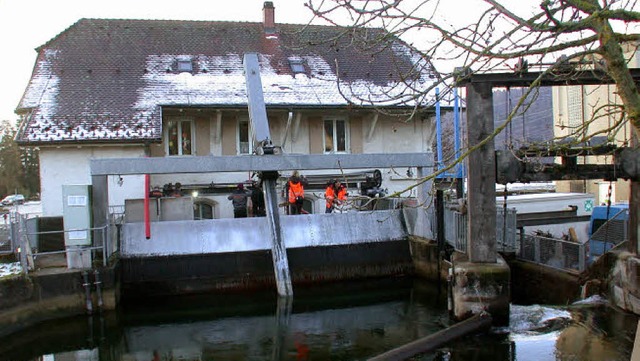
(268, 17)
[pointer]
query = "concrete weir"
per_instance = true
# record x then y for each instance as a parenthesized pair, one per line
(224, 254)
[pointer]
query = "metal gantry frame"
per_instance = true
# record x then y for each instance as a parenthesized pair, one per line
(482, 162)
(267, 164)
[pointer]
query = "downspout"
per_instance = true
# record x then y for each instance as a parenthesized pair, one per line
(147, 183)
(438, 130)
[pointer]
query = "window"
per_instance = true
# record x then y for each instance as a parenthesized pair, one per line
(335, 135)
(245, 143)
(296, 65)
(202, 210)
(179, 136)
(185, 66)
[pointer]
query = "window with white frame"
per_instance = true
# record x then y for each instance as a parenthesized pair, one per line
(244, 137)
(179, 136)
(336, 135)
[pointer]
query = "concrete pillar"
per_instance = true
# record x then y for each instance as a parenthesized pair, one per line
(481, 195)
(425, 209)
(634, 208)
(478, 287)
(480, 279)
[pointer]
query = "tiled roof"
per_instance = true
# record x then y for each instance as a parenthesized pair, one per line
(105, 80)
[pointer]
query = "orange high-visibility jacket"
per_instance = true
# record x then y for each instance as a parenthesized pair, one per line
(295, 190)
(330, 195)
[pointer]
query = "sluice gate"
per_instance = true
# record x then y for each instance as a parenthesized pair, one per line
(232, 254)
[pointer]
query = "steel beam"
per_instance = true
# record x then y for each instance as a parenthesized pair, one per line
(204, 164)
(257, 109)
(557, 78)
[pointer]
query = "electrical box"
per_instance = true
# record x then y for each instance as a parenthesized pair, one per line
(76, 214)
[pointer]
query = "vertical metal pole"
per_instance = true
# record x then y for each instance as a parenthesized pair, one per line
(438, 130)
(481, 175)
(459, 170)
(283, 316)
(634, 208)
(105, 245)
(147, 216)
(87, 291)
(98, 283)
(440, 226)
(278, 249)
(456, 130)
(260, 130)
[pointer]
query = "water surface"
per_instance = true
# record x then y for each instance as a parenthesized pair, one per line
(342, 321)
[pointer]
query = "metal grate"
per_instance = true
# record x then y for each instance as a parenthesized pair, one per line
(455, 224)
(552, 252)
(614, 230)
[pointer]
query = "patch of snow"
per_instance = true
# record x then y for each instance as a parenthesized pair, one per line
(7, 269)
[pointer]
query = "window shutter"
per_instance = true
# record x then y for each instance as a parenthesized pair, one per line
(316, 132)
(202, 137)
(157, 150)
(229, 136)
(355, 132)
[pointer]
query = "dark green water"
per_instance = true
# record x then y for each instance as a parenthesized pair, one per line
(345, 321)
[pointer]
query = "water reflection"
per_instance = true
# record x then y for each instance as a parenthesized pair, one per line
(346, 321)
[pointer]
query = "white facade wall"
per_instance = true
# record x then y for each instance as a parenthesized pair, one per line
(71, 165)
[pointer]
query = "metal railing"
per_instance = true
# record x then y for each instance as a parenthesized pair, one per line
(29, 254)
(553, 252)
(456, 230)
(23, 240)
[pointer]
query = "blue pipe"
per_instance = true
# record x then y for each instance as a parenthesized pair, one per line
(438, 130)
(456, 131)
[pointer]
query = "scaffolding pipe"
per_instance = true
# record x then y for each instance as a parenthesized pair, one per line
(438, 130)
(98, 283)
(87, 291)
(147, 218)
(429, 343)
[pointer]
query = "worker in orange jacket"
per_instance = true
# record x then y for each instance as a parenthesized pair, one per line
(334, 194)
(296, 193)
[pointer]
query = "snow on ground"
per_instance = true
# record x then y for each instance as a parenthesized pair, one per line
(7, 269)
(31, 209)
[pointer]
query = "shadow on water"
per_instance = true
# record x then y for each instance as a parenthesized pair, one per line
(338, 321)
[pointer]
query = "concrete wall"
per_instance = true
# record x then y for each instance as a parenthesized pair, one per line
(538, 284)
(215, 255)
(26, 300)
(70, 165)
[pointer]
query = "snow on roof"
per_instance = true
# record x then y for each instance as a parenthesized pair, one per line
(106, 80)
